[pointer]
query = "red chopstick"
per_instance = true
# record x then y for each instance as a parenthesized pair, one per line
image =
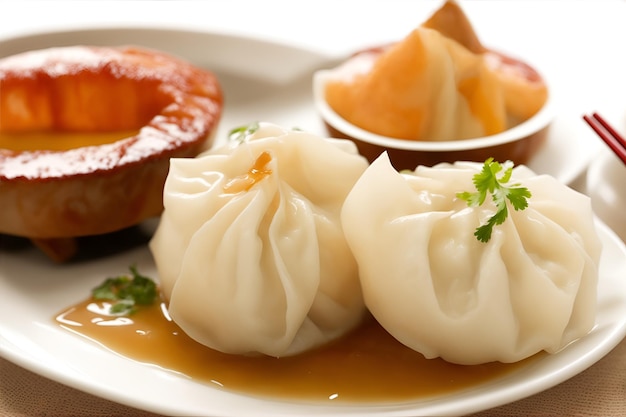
(608, 134)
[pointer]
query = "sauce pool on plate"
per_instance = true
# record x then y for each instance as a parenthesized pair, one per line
(367, 365)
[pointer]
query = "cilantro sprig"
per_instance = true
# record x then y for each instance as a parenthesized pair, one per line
(493, 180)
(126, 292)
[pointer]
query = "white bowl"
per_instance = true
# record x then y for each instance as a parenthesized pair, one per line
(518, 143)
(606, 186)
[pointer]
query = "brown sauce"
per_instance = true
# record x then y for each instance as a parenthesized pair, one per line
(59, 141)
(256, 173)
(367, 365)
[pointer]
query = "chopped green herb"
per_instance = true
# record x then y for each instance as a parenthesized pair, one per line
(126, 292)
(239, 134)
(487, 181)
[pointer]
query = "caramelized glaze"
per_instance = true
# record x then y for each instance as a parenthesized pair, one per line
(368, 365)
(256, 173)
(59, 141)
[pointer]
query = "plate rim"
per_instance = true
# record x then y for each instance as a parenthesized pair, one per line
(568, 174)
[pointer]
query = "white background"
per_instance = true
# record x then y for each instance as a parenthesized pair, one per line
(579, 44)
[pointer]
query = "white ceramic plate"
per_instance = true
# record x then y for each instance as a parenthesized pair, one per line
(34, 291)
(268, 82)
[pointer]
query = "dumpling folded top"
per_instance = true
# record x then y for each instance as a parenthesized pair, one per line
(436, 84)
(435, 287)
(250, 251)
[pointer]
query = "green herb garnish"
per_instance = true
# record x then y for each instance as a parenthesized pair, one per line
(239, 134)
(126, 292)
(487, 181)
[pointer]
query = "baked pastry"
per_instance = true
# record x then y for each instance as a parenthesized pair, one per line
(439, 83)
(171, 107)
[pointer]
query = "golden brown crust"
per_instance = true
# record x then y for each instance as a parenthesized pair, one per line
(451, 22)
(98, 189)
(58, 250)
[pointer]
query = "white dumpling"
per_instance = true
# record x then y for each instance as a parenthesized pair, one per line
(250, 251)
(437, 289)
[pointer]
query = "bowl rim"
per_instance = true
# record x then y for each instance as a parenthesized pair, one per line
(534, 124)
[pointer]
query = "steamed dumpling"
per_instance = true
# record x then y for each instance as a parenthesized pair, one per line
(250, 251)
(437, 289)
